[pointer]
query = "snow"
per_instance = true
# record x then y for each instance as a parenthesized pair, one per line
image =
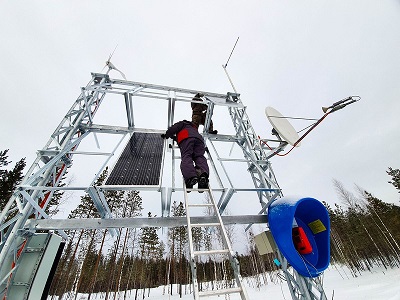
(379, 284)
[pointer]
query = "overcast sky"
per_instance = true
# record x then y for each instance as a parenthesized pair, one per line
(295, 56)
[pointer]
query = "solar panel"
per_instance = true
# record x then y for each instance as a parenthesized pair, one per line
(140, 162)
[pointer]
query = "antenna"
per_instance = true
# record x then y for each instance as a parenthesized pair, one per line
(109, 58)
(224, 66)
(231, 53)
(113, 52)
(110, 65)
(285, 130)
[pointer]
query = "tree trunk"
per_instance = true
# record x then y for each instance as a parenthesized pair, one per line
(96, 266)
(119, 274)
(72, 259)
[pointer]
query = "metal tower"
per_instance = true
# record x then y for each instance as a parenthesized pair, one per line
(24, 213)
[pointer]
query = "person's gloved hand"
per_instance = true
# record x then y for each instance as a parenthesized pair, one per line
(163, 136)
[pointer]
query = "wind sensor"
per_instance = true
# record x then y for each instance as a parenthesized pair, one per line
(110, 65)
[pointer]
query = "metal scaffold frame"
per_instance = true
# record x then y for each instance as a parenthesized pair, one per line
(43, 178)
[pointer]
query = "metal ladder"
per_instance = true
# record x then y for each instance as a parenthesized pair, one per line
(227, 248)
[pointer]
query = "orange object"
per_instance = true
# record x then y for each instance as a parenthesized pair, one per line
(300, 241)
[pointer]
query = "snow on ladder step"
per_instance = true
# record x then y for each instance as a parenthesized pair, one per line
(220, 292)
(207, 252)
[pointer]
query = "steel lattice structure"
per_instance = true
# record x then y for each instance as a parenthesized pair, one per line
(44, 176)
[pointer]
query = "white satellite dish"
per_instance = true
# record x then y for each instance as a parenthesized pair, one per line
(285, 130)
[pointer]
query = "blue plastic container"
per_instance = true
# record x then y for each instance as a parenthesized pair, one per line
(313, 217)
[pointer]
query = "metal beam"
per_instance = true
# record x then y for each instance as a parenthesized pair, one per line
(166, 88)
(75, 224)
(129, 109)
(97, 128)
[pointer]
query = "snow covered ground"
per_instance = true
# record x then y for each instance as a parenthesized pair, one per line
(380, 284)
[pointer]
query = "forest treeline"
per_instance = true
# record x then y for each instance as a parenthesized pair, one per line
(365, 232)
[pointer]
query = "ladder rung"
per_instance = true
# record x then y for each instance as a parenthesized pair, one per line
(220, 292)
(207, 252)
(205, 224)
(204, 204)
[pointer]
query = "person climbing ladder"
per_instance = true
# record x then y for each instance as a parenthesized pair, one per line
(199, 112)
(194, 165)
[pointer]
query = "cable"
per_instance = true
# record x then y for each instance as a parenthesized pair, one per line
(305, 261)
(301, 138)
(18, 254)
(306, 128)
(276, 152)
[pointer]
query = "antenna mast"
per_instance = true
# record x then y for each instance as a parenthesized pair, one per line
(224, 66)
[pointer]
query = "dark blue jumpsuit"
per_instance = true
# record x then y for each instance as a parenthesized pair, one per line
(192, 147)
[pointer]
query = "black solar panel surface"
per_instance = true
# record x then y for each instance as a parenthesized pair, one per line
(140, 162)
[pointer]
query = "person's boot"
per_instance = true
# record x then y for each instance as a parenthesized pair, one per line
(203, 182)
(211, 129)
(190, 183)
